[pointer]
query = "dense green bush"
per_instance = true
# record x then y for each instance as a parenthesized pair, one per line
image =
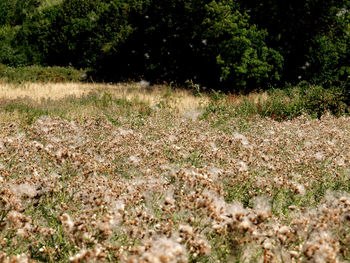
(304, 98)
(319, 100)
(282, 104)
(15, 12)
(40, 74)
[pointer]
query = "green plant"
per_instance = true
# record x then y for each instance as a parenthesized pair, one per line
(282, 104)
(231, 45)
(312, 36)
(243, 58)
(318, 100)
(40, 74)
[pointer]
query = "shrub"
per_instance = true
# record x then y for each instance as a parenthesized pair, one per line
(282, 104)
(311, 99)
(40, 74)
(15, 12)
(305, 98)
(318, 100)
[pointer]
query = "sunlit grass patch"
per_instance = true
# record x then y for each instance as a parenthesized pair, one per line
(154, 96)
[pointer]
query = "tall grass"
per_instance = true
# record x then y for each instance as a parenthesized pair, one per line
(282, 104)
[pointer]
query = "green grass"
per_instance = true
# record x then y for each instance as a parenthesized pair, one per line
(279, 104)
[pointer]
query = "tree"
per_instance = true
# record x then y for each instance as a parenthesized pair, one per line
(209, 42)
(298, 28)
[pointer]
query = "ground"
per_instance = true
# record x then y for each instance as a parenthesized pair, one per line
(132, 173)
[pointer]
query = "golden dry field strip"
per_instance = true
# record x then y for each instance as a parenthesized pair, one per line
(100, 173)
(181, 99)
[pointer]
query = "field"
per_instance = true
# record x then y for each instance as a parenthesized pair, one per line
(133, 173)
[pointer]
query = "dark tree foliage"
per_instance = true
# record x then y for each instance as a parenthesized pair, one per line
(301, 30)
(328, 53)
(237, 45)
(77, 32)
(210, 42)
(15, 12)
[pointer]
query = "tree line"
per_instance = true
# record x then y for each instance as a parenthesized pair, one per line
(233, 45)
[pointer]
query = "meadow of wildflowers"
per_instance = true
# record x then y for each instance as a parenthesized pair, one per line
(130, 182)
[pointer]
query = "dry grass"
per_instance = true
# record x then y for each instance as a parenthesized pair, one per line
(182, 100)
(119, 181)
(38, 91)
(255, 97)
